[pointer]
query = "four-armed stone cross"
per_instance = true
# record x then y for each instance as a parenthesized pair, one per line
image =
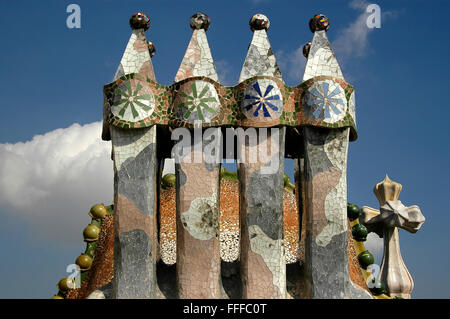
(384, 223)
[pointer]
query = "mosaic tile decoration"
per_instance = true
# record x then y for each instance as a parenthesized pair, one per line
(262, 255)
(326, 239)
(262, 99)
(135, 104)
(319, 22)
(135, 223)
(197, 219)
(260, 58)
(136, 58)
(199, 21)
(227, 106)
(259, 22)
(140, 21)
(197, 101)
(197, 60)
(133, 100)
(325, 101)
(321, 59)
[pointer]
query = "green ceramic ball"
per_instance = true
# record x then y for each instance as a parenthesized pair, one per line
(84, 261)
(378, 287)
(353, 211)
(98, 211)
(359, 232)
(168, 181)
(91, 232)
(365, 259)
(65, 284)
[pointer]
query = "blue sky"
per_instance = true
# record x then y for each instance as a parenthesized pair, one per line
(52, 170)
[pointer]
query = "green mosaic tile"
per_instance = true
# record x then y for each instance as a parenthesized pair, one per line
(230, 112)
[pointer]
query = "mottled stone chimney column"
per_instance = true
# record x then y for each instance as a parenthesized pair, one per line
(135, 169)
(135, 223)
(326, 204)
(263, 265)
(198, 255)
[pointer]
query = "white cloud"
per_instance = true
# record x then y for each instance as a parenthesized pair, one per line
(353, 40)
(294, 63)
(350, 42)
(52, 181)
(358, 4)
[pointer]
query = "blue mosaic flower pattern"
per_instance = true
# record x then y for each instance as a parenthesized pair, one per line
(262, 100)
(325, 101)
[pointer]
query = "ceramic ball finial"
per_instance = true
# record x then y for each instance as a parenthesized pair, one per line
(140, 20)
(259, 22)
(151, 49)
(306, 49)
(199, 21)
(319, 22)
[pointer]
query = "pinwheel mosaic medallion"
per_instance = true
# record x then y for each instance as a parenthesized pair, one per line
(197, 101)
(262, 100)
(325, 101)
(133, 101)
